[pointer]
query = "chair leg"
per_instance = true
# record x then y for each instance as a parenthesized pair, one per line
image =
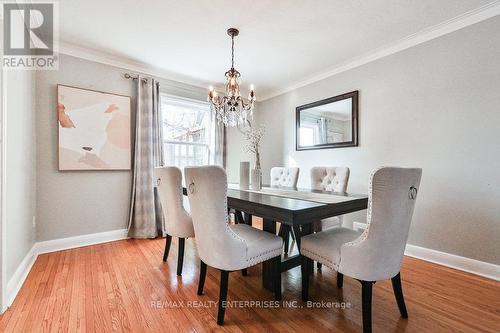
(180, 256)
(168, 241)
(366, 293)
(398, 292)
(224, 279)
(238, 217)
(280, 230)
(244, 272)
(284, 232)
(286, 238)
(248, 219)
(203, 274)
(340, 280)
(297, 231)
(304, 267)
(277, 277)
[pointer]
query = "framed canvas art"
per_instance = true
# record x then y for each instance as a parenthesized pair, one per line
(94, 130)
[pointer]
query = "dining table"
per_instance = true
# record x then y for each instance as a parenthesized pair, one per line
(297, 207)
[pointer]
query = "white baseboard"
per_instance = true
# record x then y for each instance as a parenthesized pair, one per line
(79, 241)
(473, 266)
(477, 267)
(16, 281)
(481, 268)
(359, 226)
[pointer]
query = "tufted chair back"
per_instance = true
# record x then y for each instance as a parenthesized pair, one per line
(218, 245)
(283, 176)
(378, 252)
(178, 223)
(329, 179)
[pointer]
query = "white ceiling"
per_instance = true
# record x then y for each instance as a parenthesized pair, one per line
(281, 43)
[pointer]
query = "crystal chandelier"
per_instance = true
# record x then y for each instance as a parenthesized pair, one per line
(232, 109)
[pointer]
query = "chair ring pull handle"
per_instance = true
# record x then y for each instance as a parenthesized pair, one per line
(412, 194)
(191, 187)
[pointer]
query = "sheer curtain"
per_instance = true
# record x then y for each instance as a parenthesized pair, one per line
(218, 143)
(143, 219)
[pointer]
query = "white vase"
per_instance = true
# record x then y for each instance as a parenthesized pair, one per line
(256, 180)
(244, 175)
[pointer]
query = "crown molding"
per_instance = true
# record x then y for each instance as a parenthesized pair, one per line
(472, 17)
(125, 63)
(469, 18)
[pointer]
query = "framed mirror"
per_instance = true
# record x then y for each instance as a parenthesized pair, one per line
(329, 123)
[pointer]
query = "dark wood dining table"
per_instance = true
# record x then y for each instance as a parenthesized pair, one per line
(298, 213)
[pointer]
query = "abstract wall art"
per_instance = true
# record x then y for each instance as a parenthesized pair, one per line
(94, 130)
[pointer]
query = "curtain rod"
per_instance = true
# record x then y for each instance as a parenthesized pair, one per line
(132, 77)
(168, 83)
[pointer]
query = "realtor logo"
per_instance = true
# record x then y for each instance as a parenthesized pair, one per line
(29, 33)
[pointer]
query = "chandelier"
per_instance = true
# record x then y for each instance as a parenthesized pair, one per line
(232, 109)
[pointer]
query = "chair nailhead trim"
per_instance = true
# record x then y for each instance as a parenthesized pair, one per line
(231, 232)
(328, 261)
(364, 235)
(263, 254)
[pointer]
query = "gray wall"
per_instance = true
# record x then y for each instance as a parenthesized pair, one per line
(82, 202)
(234, 150)
(20, 167)
(434, 106)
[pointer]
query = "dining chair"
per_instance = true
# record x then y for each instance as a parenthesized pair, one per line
(375, 254)
(226, 247)
(332, 179)
(178, 223)
(285, 177)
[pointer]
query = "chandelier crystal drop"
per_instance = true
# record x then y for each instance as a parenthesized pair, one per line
(232, 109)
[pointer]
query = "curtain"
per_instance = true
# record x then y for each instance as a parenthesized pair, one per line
(143, 221)
(218, 143)
(322, 130)
(157, 127)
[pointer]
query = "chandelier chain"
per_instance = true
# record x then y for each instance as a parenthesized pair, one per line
(232, 51)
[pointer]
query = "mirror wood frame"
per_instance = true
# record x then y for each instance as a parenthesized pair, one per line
(354, 117)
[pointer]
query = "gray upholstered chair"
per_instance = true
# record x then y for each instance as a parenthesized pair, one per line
(178, 223)
(285, 177)
(377, 253)
(332, 179)
(222, 245)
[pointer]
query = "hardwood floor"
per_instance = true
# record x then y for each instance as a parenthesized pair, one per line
(125, 286)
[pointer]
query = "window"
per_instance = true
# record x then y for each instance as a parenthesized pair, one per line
(306, 136)
(188, 131)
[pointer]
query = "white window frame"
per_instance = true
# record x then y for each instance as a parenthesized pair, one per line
(209, 145)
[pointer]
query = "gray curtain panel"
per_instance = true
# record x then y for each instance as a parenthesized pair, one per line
(157, 126)
(143, 221)
(218, 156)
